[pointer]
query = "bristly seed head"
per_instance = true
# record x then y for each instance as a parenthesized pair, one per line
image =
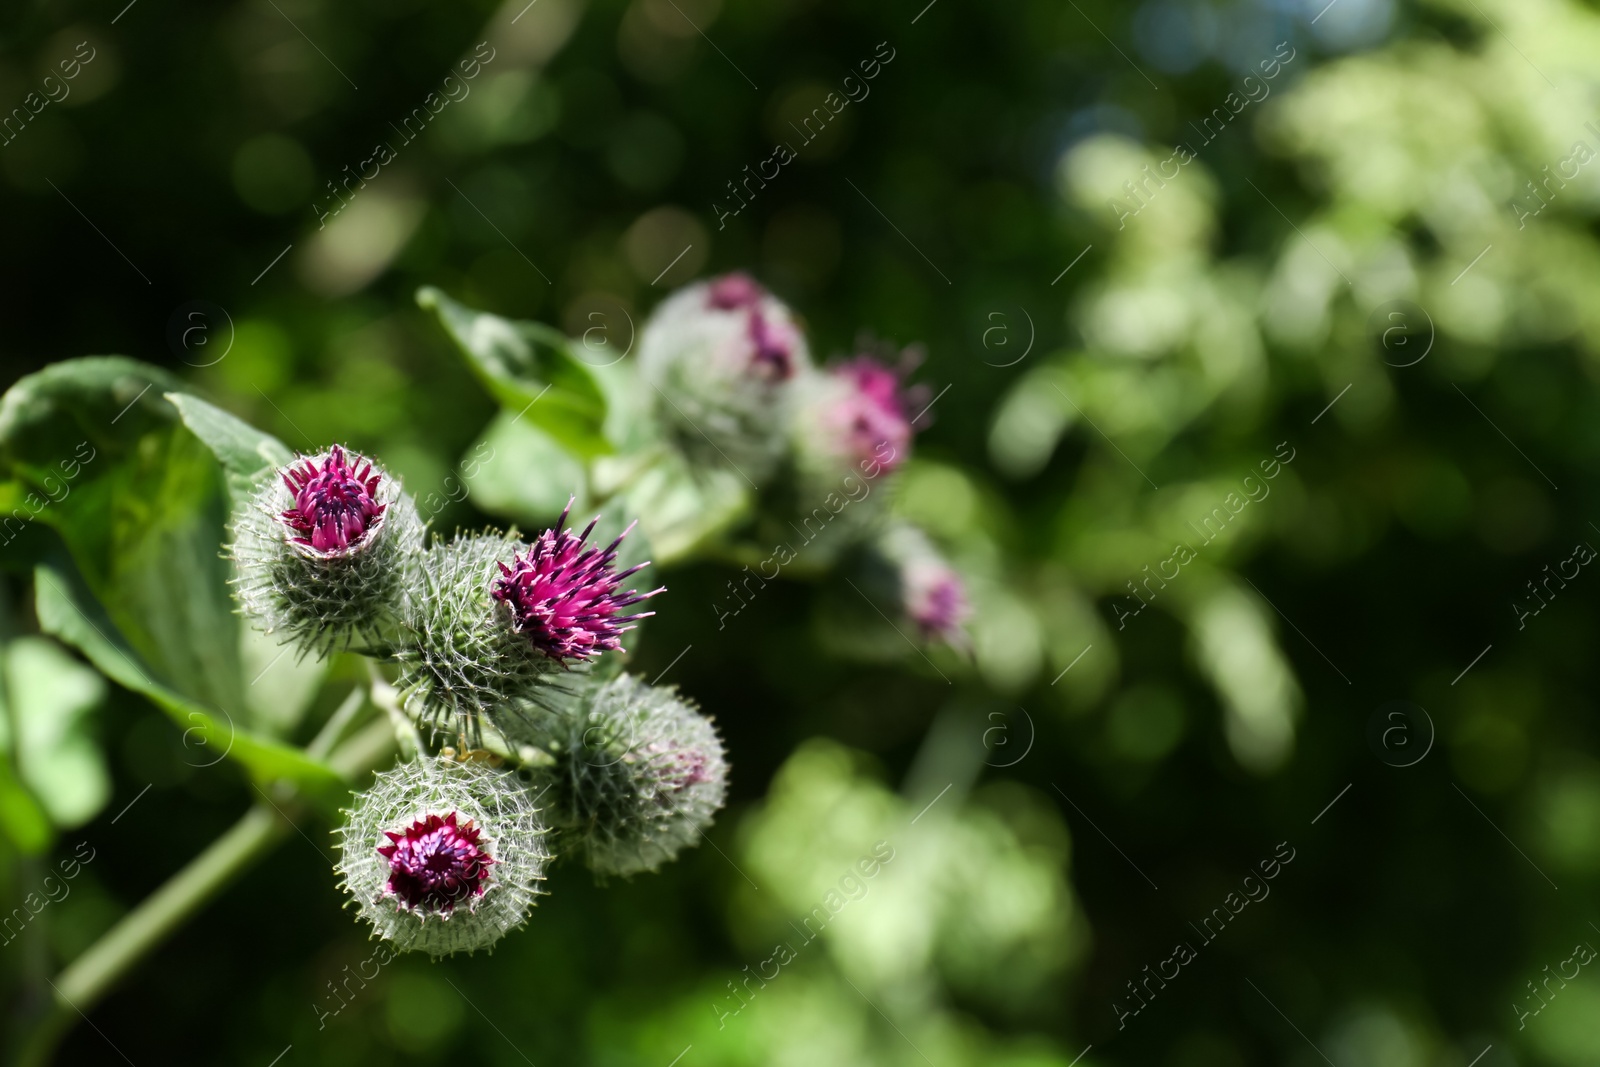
(563, 595)
(638, 773)
(435, 863)
(335, 502)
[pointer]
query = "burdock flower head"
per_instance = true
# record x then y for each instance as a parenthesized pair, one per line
(772, 341)
(861, 412)
(461, 661)
(325, 551)
(853, 427)
(736, 290)
(936, 600)
(720, 358)
(436, 863)
(932, 594)
(443, 857)
(335, 501)
(564, 595)
(638, 774)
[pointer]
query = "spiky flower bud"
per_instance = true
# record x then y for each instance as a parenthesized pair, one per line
(936, 600)
(859, 414)
(563, 595)
(852, 430)
(721, 357)
(326, 551)
(443, 857)
(638, 774)
(461, 658)
(932, 594)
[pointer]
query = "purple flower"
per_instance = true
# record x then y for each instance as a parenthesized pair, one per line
(436, 863)
(772, 341)
(564, 595)
(936, 600)
(773, 347)
(733, 291)
(335, 501)
(872, 412)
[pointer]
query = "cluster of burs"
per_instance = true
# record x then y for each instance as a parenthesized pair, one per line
(730, 381)
(541, 743)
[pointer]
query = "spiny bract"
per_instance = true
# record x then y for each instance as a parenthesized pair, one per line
(720, 360)
(461, 659)
(326, 552)
(638, 774)
(443, 856)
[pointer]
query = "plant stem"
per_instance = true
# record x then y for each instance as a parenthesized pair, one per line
(387, 697)
(91, 975)
(329, 735)
(364, 750)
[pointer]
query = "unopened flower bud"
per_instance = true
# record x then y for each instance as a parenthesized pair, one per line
(326, 551)
(932, 594)
(720, 358)
(638, 774)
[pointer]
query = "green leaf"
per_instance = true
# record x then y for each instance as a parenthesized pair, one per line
(248, 456)
(104, 401)
(279, 687)
(49, 696)
(681, 509)
(21, 817)
(139, 503)
(12, 495)
(530, 369)
(631, 424)
(66, 612)
(521, 474)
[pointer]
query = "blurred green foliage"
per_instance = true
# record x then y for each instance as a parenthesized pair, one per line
(1115, 371)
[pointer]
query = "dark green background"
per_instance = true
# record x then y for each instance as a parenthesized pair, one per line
(1389, 151)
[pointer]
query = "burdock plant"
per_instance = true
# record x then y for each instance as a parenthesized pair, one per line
(443, 856)
(494, 659)
(444, 853)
